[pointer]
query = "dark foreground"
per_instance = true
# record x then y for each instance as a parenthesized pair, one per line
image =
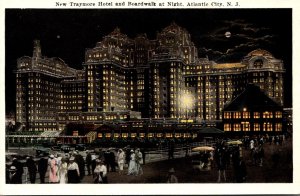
(156, 172)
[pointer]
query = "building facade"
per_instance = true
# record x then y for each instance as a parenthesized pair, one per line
(40, 91)
(218, 84)
(253, 111)
(159, 79)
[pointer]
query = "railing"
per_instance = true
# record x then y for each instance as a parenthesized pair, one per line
(153, 155)
(180, 150)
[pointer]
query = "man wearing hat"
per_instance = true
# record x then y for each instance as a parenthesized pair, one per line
(127, 156)
(112, 160)
(88, 160)
(30, 164)
(19, 168)
(81, 164)
(107, 159)
(13, 175)
(42, 167)
(67, 156)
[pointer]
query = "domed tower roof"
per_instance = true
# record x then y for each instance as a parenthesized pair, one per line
(173, 27)
(117, 33)
(259, 52)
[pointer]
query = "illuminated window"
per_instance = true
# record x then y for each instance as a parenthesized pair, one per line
(256, 115)
(178, 135)
(227, 115)
(267, 126)
(168, 135)
(195, 135)
(99, 135)
(150, 135)
(107, 135)
(227, 127)
(133, 135)
(237, 115)
(246, 126)
(278, 114)
(278, 127)
(267, 114)
(159, 134)
(256, 127)
(185, 135)
(236, 127)
(142, 135)
(246, 114)
(116, 135)
(124, 135)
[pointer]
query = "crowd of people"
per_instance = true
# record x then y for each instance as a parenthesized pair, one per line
(226, 156)
(72, 167)
(231, 156)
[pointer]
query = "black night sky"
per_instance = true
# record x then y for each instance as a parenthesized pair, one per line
(66, 33)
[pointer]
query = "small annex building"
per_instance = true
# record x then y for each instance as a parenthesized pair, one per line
(253, 112)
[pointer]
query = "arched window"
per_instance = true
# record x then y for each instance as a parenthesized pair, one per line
(258, 63)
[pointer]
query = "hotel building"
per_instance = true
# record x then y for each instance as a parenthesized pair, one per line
(124, 78)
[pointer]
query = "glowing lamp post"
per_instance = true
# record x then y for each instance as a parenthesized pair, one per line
(186, 101)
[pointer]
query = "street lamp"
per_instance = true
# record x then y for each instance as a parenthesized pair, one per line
(187, 102)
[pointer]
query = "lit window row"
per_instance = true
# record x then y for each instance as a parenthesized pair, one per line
(267, 126)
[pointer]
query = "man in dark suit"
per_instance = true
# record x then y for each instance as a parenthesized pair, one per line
(30, 164)
(19, 171)
(112, 160)
(42, 167)
(81, 164)
(107, 160)
(13, 178)
(88, 160)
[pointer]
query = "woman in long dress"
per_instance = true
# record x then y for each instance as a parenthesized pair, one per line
(58, 166)
(121, 160)
(73, 171)
(132, 170)
(100, 172)
(63, 172)
(53, 170)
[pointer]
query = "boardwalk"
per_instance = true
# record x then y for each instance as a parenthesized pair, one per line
(157, 166)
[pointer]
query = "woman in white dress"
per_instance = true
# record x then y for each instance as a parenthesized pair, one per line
(58, 165)
(100, 172)
(121, 160)
(73, 171)
(132, 170)
(63, 177)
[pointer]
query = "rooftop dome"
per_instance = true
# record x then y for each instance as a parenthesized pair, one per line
(173, 27)
(259, 52)
(117, 33)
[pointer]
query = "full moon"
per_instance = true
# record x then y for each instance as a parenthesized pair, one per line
(227, 34)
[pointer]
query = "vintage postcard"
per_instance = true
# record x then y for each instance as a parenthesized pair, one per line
(149, 97)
